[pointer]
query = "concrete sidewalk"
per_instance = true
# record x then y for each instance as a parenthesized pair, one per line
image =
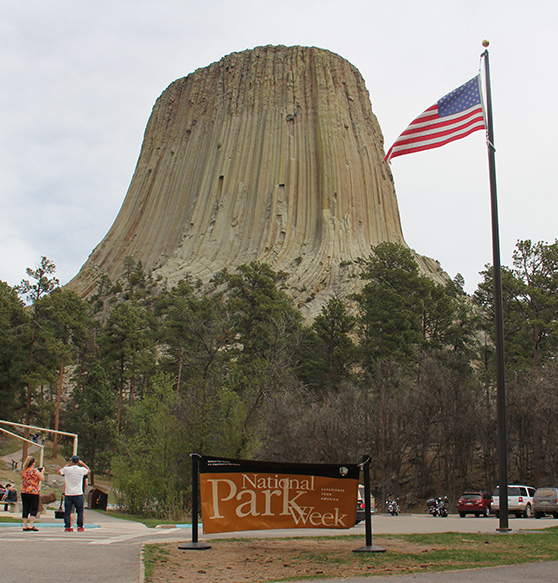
(108, 551)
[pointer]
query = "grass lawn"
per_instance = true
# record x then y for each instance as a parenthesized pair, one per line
(261, 560)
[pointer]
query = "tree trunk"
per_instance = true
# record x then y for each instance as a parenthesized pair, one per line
(180, 361)
(29, 387)
(27, 419)
(120, 394)
(57, 410)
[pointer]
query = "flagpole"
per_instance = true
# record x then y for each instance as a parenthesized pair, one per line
(498, 311)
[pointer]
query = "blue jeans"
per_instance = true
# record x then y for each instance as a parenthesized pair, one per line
(70, 501)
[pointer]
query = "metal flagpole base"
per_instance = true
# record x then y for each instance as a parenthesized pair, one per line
(369, 549)
(192, 546)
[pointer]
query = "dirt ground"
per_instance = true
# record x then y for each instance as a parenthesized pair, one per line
(265, 560)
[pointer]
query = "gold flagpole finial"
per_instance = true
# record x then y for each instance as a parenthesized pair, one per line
(485, 43)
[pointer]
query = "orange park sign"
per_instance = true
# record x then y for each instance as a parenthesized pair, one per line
(250, 495)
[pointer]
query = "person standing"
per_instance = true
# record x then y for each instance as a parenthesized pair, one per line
(31, 478)
(73, 491)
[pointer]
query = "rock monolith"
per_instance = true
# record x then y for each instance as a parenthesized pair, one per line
(271, 154)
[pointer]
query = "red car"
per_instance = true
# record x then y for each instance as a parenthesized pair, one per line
(477, 503)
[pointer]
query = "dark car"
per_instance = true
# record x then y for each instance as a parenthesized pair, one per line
(545, 501)
(477, 503)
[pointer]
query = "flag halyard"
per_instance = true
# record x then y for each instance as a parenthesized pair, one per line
(454, 116)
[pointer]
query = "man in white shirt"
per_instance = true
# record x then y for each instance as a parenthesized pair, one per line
(73, 491)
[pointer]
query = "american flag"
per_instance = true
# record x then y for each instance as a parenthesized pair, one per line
(451, 118)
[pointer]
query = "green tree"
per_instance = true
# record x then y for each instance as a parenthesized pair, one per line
(151, 466)
(536, 301)
(66, 316)
(211, 416)
(93, 416)
(328, 351)
(529, 291)
(127, 345)
(40, 360)
(402, 312)
(268, 332)
(416, 340)
(14, 320)
(266, 320)
(176, 307)
(390, 305)
(530, 301)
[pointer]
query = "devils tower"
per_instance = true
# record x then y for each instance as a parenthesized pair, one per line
(271, 154)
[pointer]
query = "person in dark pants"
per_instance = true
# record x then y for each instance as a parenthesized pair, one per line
(31, 478)
(73, 473)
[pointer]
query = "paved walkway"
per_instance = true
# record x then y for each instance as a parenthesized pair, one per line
(108, 551)
(18, 455)
(54, 555)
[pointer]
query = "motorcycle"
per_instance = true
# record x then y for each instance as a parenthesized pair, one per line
(437, 506)
(393, 507)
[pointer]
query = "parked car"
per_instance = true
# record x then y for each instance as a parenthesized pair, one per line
(477, 503)
(361, 509)
(545, 501)
(520, 501)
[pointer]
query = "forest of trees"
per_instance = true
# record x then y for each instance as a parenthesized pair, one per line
(404, 371)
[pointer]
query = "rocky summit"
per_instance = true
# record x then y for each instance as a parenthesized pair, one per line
(271, 154)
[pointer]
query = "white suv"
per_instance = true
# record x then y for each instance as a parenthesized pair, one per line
(520, 501)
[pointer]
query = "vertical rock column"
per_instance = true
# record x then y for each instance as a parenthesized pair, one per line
(271, 154)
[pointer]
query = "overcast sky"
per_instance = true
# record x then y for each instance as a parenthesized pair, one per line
(79, 80)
